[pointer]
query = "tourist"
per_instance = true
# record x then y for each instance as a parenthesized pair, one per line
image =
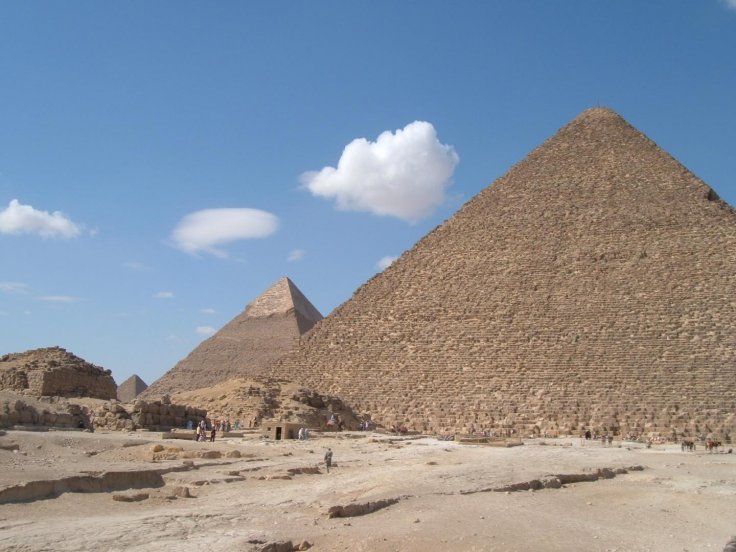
(328, 459)
(213, 431)
(301, 434)
(190, 425)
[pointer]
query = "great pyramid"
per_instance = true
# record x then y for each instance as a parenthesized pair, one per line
(593, 285)
(267, 328)
(131, 388)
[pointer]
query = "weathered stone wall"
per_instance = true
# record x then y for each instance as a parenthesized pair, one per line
(53, 371)
(591, 286)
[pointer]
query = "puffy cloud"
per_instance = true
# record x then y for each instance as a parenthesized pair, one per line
(402, 174)
(58, 299)
(24, 219)
(296, 255)
(730, 4)
(385, 262)
(163, 295)
(202, 231)
(204, 330)
(13, 287)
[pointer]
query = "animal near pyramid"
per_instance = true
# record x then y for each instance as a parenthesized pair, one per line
(592, 286)
(268, 327)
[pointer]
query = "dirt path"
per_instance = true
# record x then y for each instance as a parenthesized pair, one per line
(678, 502)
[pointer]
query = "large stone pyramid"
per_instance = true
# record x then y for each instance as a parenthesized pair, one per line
(131, 388)
(267, 328)
(593, 285)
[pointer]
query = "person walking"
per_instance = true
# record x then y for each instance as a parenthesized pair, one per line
(328, 459)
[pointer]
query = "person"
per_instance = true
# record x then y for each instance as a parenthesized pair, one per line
(328, 459)
(189, 424)
(301, 433)
(198, 433)
(213, 431)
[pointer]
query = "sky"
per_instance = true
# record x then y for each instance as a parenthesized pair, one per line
(163, 163)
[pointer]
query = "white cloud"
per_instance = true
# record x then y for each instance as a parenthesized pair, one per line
(208, 311)
(730, 4)
(203, 231)
(58, 299)
(13, 287)
(205, 330)
(402, 174)
(296, 255)
(385, 262)
(24, 219)
(163, 295)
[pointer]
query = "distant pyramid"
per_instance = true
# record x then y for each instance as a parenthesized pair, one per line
(263, 332)
(131, 388)
(593, 285)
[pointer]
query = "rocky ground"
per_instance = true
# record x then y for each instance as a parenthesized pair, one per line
(428, 495)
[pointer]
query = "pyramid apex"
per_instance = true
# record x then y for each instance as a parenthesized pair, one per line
(280, 298)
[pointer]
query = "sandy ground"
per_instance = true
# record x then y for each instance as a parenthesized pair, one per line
(679, 502)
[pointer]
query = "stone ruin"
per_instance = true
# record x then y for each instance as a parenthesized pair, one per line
(592, 286)
(53, 371)
(72, 413)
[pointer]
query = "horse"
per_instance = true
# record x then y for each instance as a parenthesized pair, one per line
(687, 445)
(711, 445)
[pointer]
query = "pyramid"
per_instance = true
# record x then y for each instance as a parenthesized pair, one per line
(267, 328)
(592, 286)
(131, 388)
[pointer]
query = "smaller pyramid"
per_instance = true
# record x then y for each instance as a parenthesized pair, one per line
(131, 388)
(247, 345)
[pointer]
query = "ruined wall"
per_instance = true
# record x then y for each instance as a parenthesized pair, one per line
(53, 371)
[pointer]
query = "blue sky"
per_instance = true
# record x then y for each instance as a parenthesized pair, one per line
(163, 163)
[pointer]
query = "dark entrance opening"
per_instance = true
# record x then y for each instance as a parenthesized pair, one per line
(278, 433)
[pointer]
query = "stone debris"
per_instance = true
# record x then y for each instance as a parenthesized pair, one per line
(135, 497)
(360, 509)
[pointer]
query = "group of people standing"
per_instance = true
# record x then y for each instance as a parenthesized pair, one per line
(201, 433)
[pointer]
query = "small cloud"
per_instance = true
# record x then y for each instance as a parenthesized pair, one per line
(730, 4)
(385, 262)
(296, 255)
(13, 287)
(205, 330)
(140, 267)
(58, 299)
(204, 231)
(163, 295)
(208, 311)
(402, 174)
(24, 219)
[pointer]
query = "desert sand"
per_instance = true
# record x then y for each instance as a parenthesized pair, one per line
(247, 498)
